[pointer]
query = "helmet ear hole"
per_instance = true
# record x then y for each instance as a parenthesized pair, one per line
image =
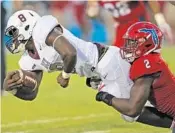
(31, 14)
(26, 28)
(148, 45)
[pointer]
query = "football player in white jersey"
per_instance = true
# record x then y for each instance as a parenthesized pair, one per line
(48, 46)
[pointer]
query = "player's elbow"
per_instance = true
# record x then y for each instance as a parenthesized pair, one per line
(133, 111)
(33, 95)
(29, 96)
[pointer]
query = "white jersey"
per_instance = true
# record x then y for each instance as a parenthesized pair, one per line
(111, 68)
(50, 60)
(114, 73)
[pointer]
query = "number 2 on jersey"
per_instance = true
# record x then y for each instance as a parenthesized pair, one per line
(147, 63)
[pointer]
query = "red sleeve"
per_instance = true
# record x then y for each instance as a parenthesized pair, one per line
(146, 65)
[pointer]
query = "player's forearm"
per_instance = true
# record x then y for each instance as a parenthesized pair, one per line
(64, 48)
(69, 62)
(126, 107)
(28, 96)
(68, 54)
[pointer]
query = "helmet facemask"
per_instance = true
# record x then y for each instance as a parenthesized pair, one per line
(16, 42)
(131, 51)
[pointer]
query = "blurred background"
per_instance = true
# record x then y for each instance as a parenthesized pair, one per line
(74, 110)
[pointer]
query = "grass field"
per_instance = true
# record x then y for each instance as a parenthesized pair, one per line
(70, 110)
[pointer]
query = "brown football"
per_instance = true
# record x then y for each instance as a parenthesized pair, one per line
(29, 81)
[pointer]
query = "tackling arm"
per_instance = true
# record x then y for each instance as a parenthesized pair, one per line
(134, 105)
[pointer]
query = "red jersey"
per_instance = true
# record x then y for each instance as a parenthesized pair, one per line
(163, 88)
(124, 11)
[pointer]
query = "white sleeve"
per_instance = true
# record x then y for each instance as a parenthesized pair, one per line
(42, 28)
(28, 64)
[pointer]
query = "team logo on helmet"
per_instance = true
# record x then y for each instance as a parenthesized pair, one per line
(153, 34)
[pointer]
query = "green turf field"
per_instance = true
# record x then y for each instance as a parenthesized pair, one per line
(70, 110)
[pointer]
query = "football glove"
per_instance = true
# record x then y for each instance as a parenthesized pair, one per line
(93, 82)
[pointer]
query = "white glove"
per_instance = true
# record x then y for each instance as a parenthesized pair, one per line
(164, 26)
(95, 82)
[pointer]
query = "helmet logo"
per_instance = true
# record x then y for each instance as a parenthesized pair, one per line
(153, 34)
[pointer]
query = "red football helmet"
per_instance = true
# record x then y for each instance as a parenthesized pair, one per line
(141, 39)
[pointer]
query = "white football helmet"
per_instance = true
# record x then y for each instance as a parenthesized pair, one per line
(19, 29)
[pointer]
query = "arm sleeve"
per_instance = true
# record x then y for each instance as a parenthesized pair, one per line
(42, 28)
(28, 64)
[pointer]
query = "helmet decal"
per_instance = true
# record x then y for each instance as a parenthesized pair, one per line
(153, 34)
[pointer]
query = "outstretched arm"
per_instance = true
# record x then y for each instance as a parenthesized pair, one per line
(138, 96)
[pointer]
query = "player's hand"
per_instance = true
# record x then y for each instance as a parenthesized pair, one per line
(13, 80)
(164, 26)
(166, 29)
(93, 82)
(63, 82)
(105, 97)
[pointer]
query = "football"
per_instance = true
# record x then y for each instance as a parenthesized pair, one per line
(28, 80)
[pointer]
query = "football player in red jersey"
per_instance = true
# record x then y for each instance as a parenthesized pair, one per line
(152, 78)
(125, 13)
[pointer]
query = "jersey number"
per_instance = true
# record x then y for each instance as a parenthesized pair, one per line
(147, 63)
(21, 17)
(58, 66)
(118, 9)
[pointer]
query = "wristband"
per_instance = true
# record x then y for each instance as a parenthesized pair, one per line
(105, 97)
(66, 75)
(56, 40)
(108, 99)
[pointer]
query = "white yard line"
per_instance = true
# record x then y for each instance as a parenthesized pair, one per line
(33, 122)
(100, 131)
(95, 131)
(27, 131)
